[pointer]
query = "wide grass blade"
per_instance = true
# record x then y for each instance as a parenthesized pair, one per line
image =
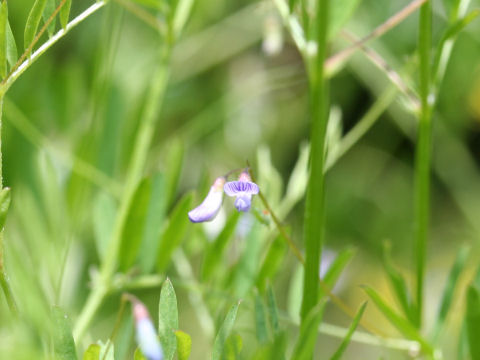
(168, 320)
(224, 333)
(174, 232)
(12, 54)
(5, 199)
(32, 22)
(272, 311)
(346, 340)
(92, 352)
(308, 333)
(473, 321)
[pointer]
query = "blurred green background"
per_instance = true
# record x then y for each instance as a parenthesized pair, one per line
(228, 101)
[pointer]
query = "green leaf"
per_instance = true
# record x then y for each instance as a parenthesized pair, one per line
(449, 290)
(137, 355)
(65, 13)
(104, 210)
(47, 12)
(184, 345)
(132, 233)
(272, 262)
(174, 231)
(5, 198)
(233, 347)
(346, 340)
(473, 321)
(92, 353)
(336, 268)
(260, 320)
(398, 284)
(63, 339)
(12, 54)
(106, 351)
(173, 169)
(405, 327)
(3, 38)
(224, 332)
(305, 344)
(341, 11)
(168, 320)
(451, 8)
(272, 311)
(452, 31)
(32, 22)
(153, 225)
(215, 251)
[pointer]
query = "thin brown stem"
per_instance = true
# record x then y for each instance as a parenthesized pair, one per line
(377, 32)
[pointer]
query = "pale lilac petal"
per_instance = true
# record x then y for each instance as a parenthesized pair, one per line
(209, 208)
(243, 202)
(147, 340)
(234, 188)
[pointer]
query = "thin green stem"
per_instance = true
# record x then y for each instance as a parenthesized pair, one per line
(314, 231)
(137, 164)
(423, 155)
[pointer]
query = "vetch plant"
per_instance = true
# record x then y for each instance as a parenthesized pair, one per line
(242, 190)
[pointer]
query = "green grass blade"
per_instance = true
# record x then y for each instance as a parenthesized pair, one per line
(449, 290)
(184, 345)
(63, 339)
(104, 210)
(92, 352)
(133, 229)
(32, 22)
(402, 325)
(215, 250)
(154, 220)
(174, 232)
(168, 320)
(308, 334)
(337, 267)
(399, 285)
(12, 54)
(5, 199)
(314, 219)
(3, 38)
(47, 12)
(272, 311)
(260, 320)
(224, 333)
(272, 262)
(341, 12)
(65, 13)
(173, 169)
(346, 340)
(473, 321)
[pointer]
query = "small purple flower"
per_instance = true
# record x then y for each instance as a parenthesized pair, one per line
(243, 189)
(210, 206)
(146, 335)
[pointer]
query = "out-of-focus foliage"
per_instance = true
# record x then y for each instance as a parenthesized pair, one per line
(236, 90)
